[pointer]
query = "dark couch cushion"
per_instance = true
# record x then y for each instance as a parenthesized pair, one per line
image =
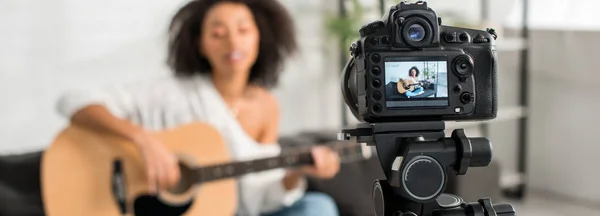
(351, 187)
(20, 192)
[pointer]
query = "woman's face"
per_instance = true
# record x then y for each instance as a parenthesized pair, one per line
(413, 72)
(230, 38)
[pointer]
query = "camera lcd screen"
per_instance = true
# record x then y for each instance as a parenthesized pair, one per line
(416, 82)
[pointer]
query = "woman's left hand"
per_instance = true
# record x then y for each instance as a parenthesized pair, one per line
(326, 163)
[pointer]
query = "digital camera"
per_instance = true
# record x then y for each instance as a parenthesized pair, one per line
(409, 67)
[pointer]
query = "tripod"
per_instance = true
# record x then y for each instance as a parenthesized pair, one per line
(416, 157)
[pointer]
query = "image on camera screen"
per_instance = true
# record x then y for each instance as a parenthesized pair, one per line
(416, 82)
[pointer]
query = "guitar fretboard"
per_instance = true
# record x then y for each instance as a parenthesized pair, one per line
(347, 151)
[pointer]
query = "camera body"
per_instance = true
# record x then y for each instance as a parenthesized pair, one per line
(409, 67)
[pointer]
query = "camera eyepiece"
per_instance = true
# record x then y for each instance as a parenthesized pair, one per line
(416, 31)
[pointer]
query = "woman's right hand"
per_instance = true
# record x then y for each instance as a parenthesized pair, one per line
(162, 167)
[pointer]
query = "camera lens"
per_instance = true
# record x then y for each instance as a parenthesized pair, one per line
(416, 32)
(463, 66)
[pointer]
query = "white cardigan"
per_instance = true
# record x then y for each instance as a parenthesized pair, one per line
(169, 102)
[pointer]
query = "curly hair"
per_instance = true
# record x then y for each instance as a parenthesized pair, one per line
(277, 39)
(416, 71)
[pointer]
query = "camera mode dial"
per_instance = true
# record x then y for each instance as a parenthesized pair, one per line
(355, 48)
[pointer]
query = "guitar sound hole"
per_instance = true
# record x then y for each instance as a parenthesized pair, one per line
(152, 206)
(186, 182)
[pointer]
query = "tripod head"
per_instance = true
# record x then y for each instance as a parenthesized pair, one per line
(416, 158)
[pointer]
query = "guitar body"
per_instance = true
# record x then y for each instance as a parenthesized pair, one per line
(402, 85)
(77, 169)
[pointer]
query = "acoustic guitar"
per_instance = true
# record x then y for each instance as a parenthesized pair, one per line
(89, 173)
(404, 85)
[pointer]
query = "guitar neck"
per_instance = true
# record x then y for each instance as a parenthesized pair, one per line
(347, 152)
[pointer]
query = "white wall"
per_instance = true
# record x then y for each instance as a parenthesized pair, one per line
(47, 47)
(563, 150)
(305, 107)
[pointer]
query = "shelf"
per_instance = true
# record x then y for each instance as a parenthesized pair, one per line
(509, 180)
(504, 114)
(511, 44)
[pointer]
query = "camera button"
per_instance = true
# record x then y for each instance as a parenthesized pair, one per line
(385, 40)
(457, 109)
(449, 37)
(377, 95)
(466, 97)
(376, 83)
(373, 41)
(463, 37)
(375, 58)
(377, 108)
(457, 88)
(376, 71)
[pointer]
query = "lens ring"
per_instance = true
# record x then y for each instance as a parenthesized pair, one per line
(417, 32)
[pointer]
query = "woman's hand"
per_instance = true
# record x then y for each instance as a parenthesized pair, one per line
(162, 167)
(327, 163)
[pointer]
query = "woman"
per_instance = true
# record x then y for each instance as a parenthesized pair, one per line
(225, 56)
(413, 78)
